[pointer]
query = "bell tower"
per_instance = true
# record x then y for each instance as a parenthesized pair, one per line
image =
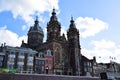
(74, 48)
(35, 35)
(53, 28)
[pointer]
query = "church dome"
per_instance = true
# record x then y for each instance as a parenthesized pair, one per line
(36, 28)
(72, 27)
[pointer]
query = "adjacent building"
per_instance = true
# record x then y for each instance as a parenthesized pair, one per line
(111, 67)
(39, 63)
(18, 58)
(88, 66)
(48, 63)
(2, 59)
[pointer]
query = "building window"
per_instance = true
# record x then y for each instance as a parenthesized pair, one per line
(36, 68)
(42, 68)
(11, 59)
(21, 54)
(46, 60)
(90, 64)
(42, 62)
(50, 67)
(29, 68)
(1, 58)
(30, 55)
(90, 69)
(50, 61)
(20, 60)
(1, 64)
(36, 62)
(48, 53)
(85, 69)
(39, 62)
(12, 53)
(10, 66)
(20, 67)
(94, 63)
(30, 60)
(85, 64)
(41, 55)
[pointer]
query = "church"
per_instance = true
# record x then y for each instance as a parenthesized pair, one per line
(58, 55)
(66, 52)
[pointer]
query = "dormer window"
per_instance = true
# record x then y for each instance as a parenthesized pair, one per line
(49, 53)
(41, 55)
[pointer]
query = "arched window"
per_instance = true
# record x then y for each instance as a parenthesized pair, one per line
(57, 55)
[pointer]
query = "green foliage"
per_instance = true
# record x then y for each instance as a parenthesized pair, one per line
(5, 70)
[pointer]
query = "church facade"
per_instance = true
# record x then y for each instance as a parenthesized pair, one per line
(66, 53)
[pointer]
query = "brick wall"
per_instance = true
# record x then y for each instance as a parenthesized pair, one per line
(42, 77)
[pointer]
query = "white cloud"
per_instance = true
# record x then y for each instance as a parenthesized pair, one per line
(89, 26)
(4, 27)
(10, 38)
(45, 33)
(24, 27)
(27, 8)
(103, 44)
(103, 49)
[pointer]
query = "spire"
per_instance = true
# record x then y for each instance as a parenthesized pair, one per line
(72, 27)
(22, 41)
(72, 24)
(72, 21)
(36, 21)
(53, 17)
(36, 27)
(53, 13)
(63, 36)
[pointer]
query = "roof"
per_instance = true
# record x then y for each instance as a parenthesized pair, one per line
(36, 27)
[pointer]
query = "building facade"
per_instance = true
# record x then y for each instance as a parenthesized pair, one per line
(18, 58)
(39, 63)
(66, 53)
(48, 63)
(2, 59)
(88, 66)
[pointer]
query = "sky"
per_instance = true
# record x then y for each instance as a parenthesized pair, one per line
(97, 20)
